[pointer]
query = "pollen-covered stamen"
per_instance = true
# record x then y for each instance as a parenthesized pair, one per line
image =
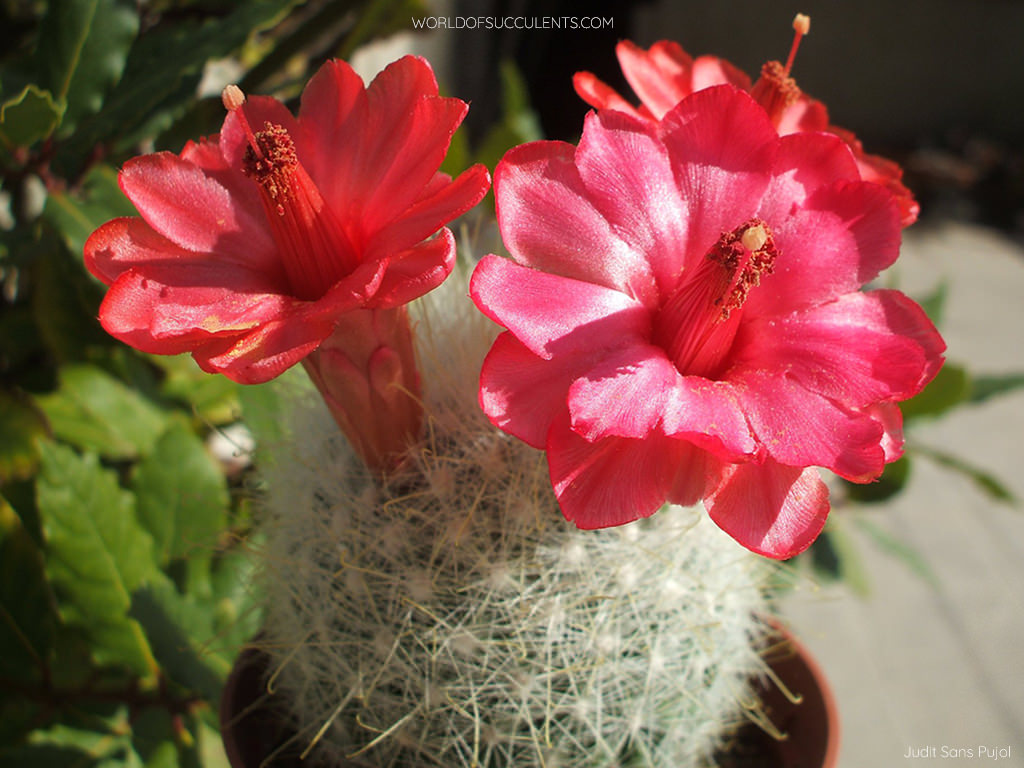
(698, 322)
(315, 250)
(775, 89)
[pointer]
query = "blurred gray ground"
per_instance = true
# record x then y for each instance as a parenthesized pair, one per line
(918, 665)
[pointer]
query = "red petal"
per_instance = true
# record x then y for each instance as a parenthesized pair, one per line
(858, 349)
(627, 394)
(555, 315)
(617, 480)
(415, 271)
(600, 95)
(770, 509)
(722, 147)
(522, 393)
(709, 71)
(193, 209)
(800, 428)
(547, 221)
(429, 214)
(661, 77)
(630, 181)
(840, 238)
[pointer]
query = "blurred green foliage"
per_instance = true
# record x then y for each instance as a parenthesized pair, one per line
(125, 570)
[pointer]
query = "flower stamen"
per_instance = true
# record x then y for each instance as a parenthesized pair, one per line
(775, 90)
(315, 249)
(698, 322)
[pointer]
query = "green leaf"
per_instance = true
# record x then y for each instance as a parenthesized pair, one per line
(898, 549)
(948, 389)
(986, 387)
(892, 481)
(76, 216)
(82, 49)
(834, 555)
(934, 304)
(214, 398)
(21, 425)
(162, 72)
(65, 303)
(181, 495)
(985, 481)
(97, 554)
(94, 411)
(29, 117)
(177, 627)
(26, 603)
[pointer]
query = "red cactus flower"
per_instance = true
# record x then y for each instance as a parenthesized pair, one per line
(257, 245)
(665, 74)
(684, 319)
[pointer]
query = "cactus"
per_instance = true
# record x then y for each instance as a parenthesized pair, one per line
(452, 617)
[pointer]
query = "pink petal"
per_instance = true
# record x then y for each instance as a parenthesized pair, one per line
(891, 419)
(193, 209)
(710, 70)
(770, 509)
(415, 271)
(600, 95)
(661, 77)
(522, 393)
(709, 414)
(626, 394)
(722, 147)
(555, 315)
(636, 391)
(840, 238)
(630, 181)
(858, 349)
(800, 428)
(427, 215)
(803, 115)
(547, 221)
(617, 480)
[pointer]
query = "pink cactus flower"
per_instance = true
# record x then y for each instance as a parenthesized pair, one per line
(257, 246)
(665, 74)
(685, 321)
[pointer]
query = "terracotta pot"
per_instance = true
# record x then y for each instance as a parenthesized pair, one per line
(253, 730)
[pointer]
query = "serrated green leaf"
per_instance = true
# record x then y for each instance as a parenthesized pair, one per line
(26, 603)
(986, 387)
(21, 426)
(950, 387)
(82, 49)
(984, 480)
(97, 554)
(94, 411)
(29, 117)
(77, 215)
(181, 495)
